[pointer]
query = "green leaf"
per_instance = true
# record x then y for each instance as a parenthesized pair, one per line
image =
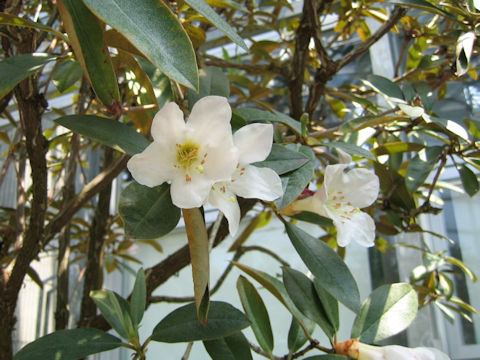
(116, 311)
(252, 114)
(390, 179)
(421, 165)
(212, 81)
(138, 301)
(147, 212)
(352, 149)
(451, 126)
(203, 8)
(296, 335)
(156, 32)
(68, 345)
(257, 314)
(294, 182)
(66, 74)
(86, 37)
(469, 180)
(397, 147)
(199, 258)
(9, 19)
(388, 310)
(233, 347)
(327, 357)
(277, 289)
(302, 292)
(17, 68)
(327, 266)
(283, 160)
(385, 86)
(313, 218)
(182, 324)
(109, 132)
(423, 5)
(330, 304)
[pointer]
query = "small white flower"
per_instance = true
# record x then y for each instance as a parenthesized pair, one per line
(357, 350)
(254, 143)
(340, 198)
(192, 155)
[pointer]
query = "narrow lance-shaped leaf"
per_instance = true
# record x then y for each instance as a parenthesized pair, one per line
(296, 335)
(138, 299)
(388, 310)
(86, 36)
(203, 8)
(469, 180)
(327, 266)
(302, 292)
(283, 160)
(17, 68)
(182, 324)
(66, 74)
(156, 32)
(256, 313)
(330, 304)
(116, 311)
(421, 165)
(70, 344)
(199, 257)
(212, 81)
(9, 19)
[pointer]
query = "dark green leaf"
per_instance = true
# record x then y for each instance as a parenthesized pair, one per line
(212, 81)
(156, 32)
(352, 149)
(327, 266)
(106, 131)
(116, 311)
(233, 347)
(296, 335)
(86, 37)
(252, 114)
(283, 160)
(388, 310)
(257, 314)
(302, 292)
(421, 165)
(17, 68)
(330, 304)
(385, 86)
(138, 301)
(313, 218)
(469, 180)
(295, 182)
(390, 179)
(203, 8)
(66, 74)
(182, 324)
(148, 212)
(426, 94)
(68, 345)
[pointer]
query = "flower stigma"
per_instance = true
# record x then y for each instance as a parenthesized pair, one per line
(187, 154)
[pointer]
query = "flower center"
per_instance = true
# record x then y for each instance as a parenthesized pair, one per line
(338, 205)
(187, 154)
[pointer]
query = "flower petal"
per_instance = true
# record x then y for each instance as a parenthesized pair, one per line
(210, 119)
(254, 142)
(168, 124)
(259, 183)
(221, 161)
(153, 166)
(190, 194)
(360, 227)
(227, 203)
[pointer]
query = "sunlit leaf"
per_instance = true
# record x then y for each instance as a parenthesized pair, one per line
(388, 310)
(10, 19)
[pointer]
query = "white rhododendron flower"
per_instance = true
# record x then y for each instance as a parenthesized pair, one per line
(254, 143)
(357, 350)
(340, 198)
(192, 155)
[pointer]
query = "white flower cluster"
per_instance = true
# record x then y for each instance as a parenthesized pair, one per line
(204, 162)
